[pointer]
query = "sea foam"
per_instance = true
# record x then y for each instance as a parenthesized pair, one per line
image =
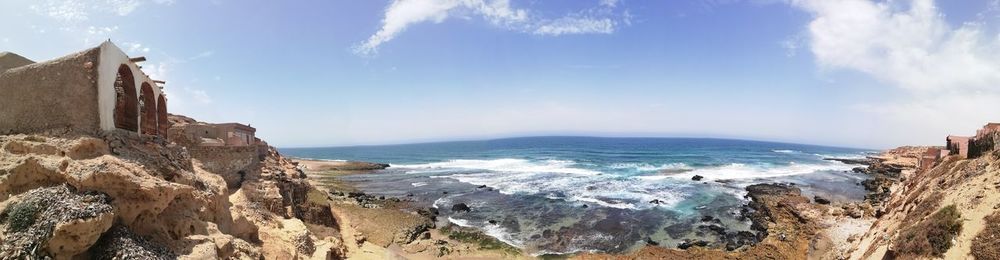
(735, 171)
(504, 165)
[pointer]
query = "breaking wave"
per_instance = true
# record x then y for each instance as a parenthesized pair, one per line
(557, 179)
(646, 167)
(504, 165)
(735, 171)
(561, 180)
(494, 231)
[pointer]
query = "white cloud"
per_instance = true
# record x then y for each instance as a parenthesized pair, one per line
(913, 48)
(133, 47)
(949, 76)
(576, 25)
(157, 71)
(123, 7)
(792, 45)
(204, 54)
(609, 3)
(199, 95)
(66, 11)
(101, 30)
(401, 14)
(73, 11)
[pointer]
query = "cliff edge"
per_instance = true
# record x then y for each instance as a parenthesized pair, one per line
(125, 196)
(948, 211)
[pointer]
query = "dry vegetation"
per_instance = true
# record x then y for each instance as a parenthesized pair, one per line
(930, 237)
(986, 245)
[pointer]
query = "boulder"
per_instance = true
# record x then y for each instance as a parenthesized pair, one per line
(821, 200)
(688, 244)
(739, 239)
(76, 236)
(460, 207)
(697, 178)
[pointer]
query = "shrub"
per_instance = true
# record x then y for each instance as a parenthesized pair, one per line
(20, 216)
(986, 244)
(930, 237)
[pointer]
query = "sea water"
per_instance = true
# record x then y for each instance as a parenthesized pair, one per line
(554, 195)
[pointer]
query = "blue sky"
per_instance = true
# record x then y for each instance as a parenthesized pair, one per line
(857, 73)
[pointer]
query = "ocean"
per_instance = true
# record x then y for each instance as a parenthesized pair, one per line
(557, 195)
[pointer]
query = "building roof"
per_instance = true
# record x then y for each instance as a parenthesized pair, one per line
(10, 60)
(239, 126)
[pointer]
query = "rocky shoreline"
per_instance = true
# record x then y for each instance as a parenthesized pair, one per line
(379, 225)
(784, 226)
(295, 208)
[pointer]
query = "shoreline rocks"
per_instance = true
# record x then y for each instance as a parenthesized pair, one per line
(854, 161)
(821, 200)
(344, 166)
(460, 207)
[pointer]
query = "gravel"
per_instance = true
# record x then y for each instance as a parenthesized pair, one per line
(28, 223)
(120, 243)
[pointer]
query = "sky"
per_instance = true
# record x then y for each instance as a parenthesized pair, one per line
(309, 73)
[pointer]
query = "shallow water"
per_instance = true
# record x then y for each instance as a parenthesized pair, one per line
(569, 194)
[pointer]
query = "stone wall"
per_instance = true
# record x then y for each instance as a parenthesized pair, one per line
(233, 163)
(200, 134)
(56, 94)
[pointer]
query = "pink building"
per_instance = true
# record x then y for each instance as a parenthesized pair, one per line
(987, 129)
(958, 145)
(929, 158)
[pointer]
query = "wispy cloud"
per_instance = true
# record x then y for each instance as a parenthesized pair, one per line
(199, 95)
(201, 55)
(951, 75)
(401, 14)
(576, 25)
(134, 47)
(81, 10)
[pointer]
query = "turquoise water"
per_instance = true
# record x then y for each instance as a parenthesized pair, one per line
(570, 194)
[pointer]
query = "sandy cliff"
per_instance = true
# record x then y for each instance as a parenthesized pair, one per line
(123, 196)
(945, 212)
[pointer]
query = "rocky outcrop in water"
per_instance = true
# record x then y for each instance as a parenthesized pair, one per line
(784, 222)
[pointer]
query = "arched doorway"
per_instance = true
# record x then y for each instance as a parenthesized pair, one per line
(126, 102)
(147, 108)
(161, 115)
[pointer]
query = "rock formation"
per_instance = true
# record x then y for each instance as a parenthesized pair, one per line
(125, 196)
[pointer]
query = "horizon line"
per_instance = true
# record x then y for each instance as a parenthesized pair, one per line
(459, 140)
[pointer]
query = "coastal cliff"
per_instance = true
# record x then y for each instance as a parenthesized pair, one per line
(122, 195)
(125, 196)
(949, 211)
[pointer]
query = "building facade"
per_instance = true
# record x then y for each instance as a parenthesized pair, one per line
(225, 134)
(98, 89)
